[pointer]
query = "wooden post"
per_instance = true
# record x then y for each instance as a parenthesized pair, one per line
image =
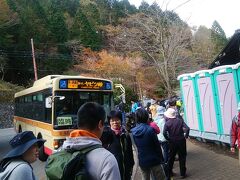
(34, 61)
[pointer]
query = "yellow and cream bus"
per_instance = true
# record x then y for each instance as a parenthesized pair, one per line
(49, 108)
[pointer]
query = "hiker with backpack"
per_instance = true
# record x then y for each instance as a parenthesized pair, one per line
(16, 164)
(118, 142)
(82, 155)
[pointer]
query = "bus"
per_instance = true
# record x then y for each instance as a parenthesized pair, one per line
(49, 108)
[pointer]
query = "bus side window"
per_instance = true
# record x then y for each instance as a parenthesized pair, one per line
(48, 111)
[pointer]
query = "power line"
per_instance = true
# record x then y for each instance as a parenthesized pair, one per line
(30, 69)
(39, 55)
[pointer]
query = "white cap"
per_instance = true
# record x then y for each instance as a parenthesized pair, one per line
(170, 113)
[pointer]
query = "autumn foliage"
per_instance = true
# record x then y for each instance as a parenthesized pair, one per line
(126, 70)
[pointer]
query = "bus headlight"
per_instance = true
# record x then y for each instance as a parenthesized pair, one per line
(58, 143)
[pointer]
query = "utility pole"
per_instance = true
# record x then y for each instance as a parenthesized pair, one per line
(34, 61)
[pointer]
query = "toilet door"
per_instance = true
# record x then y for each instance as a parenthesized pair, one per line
(190, 104)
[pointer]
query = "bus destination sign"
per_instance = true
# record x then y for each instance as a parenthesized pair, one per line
(85, 84)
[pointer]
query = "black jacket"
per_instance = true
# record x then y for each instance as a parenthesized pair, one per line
(121, 147)
(175, 128)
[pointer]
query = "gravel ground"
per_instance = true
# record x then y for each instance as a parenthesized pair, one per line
(6, 115)
(218, 148)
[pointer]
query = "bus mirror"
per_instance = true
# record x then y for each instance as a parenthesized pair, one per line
(48, 102)
(61, 97)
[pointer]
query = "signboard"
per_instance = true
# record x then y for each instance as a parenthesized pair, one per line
(85, 84)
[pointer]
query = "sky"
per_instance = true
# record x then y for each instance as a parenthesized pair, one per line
(204, 12)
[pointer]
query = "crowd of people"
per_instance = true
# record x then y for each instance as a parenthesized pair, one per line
(158, 133)
(168, 131)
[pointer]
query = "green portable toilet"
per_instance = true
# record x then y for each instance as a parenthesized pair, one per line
(237, 69)
(207, 104)
(191, 113)
(226, 89)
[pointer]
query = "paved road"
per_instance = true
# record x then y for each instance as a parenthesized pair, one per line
(202, 162)
(5, 136)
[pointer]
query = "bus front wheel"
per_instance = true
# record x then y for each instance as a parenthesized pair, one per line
(42, 155)
(19, 129)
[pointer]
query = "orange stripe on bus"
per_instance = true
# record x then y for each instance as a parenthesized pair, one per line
(43, 126)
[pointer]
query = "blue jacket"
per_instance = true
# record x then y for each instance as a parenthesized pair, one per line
(149, 150)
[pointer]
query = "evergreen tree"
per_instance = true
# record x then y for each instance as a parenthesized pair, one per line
(57, 25)
(85, 32)
(104, 7)
(218, 36)
(144, 7)
(91, 11)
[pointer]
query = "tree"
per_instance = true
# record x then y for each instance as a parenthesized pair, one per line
(161, 41)
(143, 7)
(218, 36)
(85, 32)
(57, 24)
(8, 20)
(3, 63)
(106, 65)
(91, 10)
(203, 47)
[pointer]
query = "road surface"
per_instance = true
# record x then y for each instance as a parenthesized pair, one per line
(202, 162)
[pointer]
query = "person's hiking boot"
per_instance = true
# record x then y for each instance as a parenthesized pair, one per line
(183, 177)
(172, 174)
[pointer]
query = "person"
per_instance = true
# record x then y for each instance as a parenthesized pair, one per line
(100, 163)
(134, 107)
(148, 148)
(148, 107)
(235, 132)
(154, 125)
(65, 110)
(153, 108)
(174, 132)
(160, 120)
(130, 122)
(172, 103)
(17, 163)
(118, 142)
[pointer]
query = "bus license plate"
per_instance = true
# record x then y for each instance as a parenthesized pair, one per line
(64, 121)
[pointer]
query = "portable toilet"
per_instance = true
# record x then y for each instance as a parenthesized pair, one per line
(207, 104)
(237, 68)
(191, 114)
(227, 90)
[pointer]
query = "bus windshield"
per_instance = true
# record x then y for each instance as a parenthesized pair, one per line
(65, 109)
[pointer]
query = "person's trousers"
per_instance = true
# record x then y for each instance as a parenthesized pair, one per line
(155, 172)
(239, 156)
(165, 147)
(178, 147)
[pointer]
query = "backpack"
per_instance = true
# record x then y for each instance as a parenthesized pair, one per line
(68, 164)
